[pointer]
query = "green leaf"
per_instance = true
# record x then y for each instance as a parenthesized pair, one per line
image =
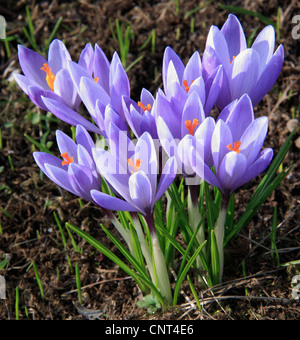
(215, 260)
(241, 10)
(267, 185)
(185, 271)
(140, 277)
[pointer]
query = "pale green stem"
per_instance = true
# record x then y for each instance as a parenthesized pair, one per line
(144, 246)
(162, 275)
(195, 217)
(219, 231)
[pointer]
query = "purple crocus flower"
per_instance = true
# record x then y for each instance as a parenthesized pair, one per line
(191, 122)
(246, 70)
(133, 179)
(76, 170)
(180, 81)
(139, 115)
(50, 79)
(236, 144)
(105, 86)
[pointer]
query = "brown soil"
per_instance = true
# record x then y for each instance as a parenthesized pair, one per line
(28, 229)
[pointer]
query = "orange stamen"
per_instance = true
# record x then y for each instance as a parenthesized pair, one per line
(50, 77)
(191, 127)
(145, 108)
(235, 147)
(135, 166)
(67, 160)
(96, 80)
(185, 84)
(233, 59)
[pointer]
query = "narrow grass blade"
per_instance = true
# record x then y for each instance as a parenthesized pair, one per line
(194, 292)
(244, 11)
(139, 276)
(17, 303)
(184, 272)
(78, 283)
(215, 259)
(38, 280)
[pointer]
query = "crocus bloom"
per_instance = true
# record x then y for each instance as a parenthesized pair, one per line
(139, 115)
(246, 70)
(180, 81)
(106, 85)
(236, 144)
(75, 171)
(191, 122)
(135, 179)
(50, 79)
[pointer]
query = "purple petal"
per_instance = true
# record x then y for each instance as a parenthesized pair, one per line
(141, 192)
(193, 109)
(111, 169)
(83, 138)
(36, 94)
(256, 168)
(90, 92)
(31, 63)
(163, 108)
(171, 56)
(68, 115)
(201, 169)
(111, 203)
(193, 69)
(221, 137)
(145, 151)
(66, 145)
(147, 97)
(232, 168)
(86, 58)
(101, 68)
(82, 180)
(203, 137)
(269, 76)
(234, 35)
(64, 87)
(212, 88)
(216, 51)
(253, 138)
(119, 86)
(264, 45)
(243, 73)
(59, 177)
(167, 177)
(240, 117)
(58, 56)
(77, 71)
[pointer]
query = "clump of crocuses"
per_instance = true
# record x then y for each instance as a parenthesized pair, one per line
(174, 129)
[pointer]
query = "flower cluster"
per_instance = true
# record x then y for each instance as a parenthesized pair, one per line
(175, 130)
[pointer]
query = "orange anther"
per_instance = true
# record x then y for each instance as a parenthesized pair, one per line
(185, 84)
(135, 166)
(191, 127)
(233, 59)
(67, 160)
(235, 147)
(96, 80)
(50, 77)
(144, 107)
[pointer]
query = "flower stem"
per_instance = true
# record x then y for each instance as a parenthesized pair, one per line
(219, 232)
(195, 216)
(144, 246)
(160, 267)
